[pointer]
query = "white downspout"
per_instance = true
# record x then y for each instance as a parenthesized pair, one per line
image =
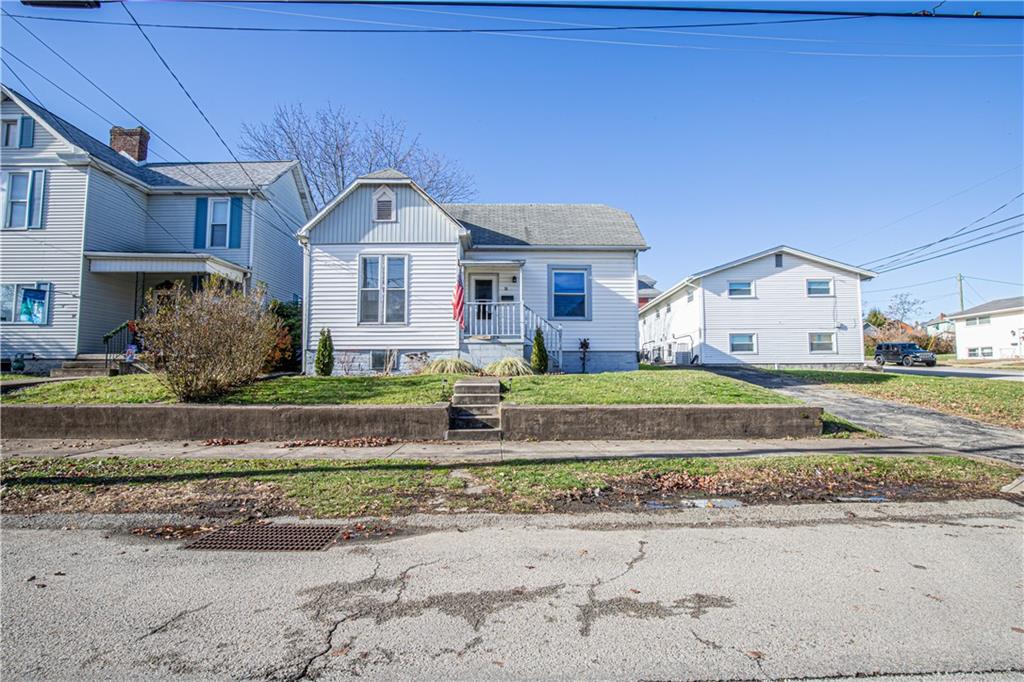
(252, 236)
(306, 301)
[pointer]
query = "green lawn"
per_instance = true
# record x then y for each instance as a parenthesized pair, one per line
(146, 388)
(332, 488)
(642, 387)
(995, 402)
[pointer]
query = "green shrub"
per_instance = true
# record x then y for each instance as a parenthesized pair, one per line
(508, 367)
(539, 356)
(324, 364)
(449, 366)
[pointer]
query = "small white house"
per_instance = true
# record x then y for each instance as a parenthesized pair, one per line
(778, 307)
(400, 279)
(991, 330)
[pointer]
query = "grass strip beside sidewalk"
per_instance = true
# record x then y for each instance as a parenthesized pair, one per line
(331, 488)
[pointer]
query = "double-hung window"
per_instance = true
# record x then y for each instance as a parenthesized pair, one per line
(9, 133)
(23, 199)
(743, 343)
(383, 289)
(822, 342)
(220, 212)
(26, 303)
(570, 293)
(819, 287)
(741, 289)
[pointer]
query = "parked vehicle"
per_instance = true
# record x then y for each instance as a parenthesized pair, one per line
(904, 353)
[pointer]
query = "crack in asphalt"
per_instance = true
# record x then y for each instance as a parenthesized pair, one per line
(166, 625)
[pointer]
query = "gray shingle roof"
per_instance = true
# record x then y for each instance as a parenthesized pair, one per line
(386, 174)
(547, 225)
(174, 174)
(992, 306)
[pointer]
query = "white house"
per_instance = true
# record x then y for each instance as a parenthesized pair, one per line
(87, 228)
(991, 330)
(778, 307)
(383, 259)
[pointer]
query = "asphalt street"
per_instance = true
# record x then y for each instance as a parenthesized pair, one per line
(772, 592)
(968, 372)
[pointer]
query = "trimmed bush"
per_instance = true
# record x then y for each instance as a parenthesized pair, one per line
(324, 363)
(208, 342)
(508, 367)
(449, 366)
(539, 356)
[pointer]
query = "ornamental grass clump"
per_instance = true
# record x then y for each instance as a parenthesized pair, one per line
(208, 342)
(449, 366)
(509, 367)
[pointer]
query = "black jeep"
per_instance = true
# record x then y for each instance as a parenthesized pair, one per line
(904, 353)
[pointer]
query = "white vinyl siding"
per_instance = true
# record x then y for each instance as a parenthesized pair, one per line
(53, 255)
(782, 314)
(170, 228)
(334, 299)
(45, 146)
(417, 221)
(1002, 335)
(277, 255)
(115, 218)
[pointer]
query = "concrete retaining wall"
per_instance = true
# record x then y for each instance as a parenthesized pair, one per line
(658, 422)
(251, 422)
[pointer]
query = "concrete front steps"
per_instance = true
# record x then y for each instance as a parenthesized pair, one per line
(84, 366)
(475, 413)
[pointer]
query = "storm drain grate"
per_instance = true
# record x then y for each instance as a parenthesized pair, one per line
(262, 537)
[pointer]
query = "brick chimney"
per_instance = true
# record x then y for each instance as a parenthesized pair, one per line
(132, 141)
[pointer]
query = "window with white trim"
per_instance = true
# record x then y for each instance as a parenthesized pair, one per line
(9, 133)
(741, 289)
(384, 205)
(23, 199)
(819, 287)
(986, 351)
(975, 321)
(570, 293)
(383, 289)
(822, 342)
(25, 303)
(743, 343)
(220, 214)
(778, 260)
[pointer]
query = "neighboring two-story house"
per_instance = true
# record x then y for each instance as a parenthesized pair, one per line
(88, 228)
(399, 279)
(779, 307)
(991, 330)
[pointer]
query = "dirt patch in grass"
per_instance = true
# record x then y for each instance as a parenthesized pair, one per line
(254, 489)
(237, 499)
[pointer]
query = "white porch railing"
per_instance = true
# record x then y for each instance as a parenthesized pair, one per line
(552, 336)
(493, 319)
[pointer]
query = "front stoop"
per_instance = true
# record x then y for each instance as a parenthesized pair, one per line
(84, 366)
(475, 413)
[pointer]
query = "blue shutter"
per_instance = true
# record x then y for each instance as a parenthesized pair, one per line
(235, 231)
(28, 131)
(36, 193)
(199, 241)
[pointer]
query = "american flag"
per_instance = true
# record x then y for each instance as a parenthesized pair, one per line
(458, 303)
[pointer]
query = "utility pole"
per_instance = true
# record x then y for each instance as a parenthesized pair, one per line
(960, 284)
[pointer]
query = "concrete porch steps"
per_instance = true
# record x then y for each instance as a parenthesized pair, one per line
(475, 413)
(84, 366)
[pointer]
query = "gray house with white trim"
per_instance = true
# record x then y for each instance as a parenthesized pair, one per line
(384, 262)
(88, 228)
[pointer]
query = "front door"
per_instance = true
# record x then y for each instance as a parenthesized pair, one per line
(483, 292)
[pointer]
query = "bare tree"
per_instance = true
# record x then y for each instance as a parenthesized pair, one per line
(902, 307)
(335, 149)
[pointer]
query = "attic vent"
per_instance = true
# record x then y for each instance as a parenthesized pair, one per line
(384, 205)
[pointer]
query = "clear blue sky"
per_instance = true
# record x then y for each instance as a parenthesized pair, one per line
(717, 152)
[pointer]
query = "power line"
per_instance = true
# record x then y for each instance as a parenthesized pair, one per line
(531, 4)
(996, 281)
(112, 123)
(195, 104)
(909, 286)
(306, 29)
(950, 253)
(898, 257)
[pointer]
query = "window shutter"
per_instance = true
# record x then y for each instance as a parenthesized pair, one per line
(28, 131)
(199, 240)
(235, 231)
(36, 193)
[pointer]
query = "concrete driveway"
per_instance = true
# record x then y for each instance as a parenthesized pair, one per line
(966, 372)
(895, 420)
(812, 591)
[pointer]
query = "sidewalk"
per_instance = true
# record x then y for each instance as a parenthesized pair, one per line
(477, 452)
